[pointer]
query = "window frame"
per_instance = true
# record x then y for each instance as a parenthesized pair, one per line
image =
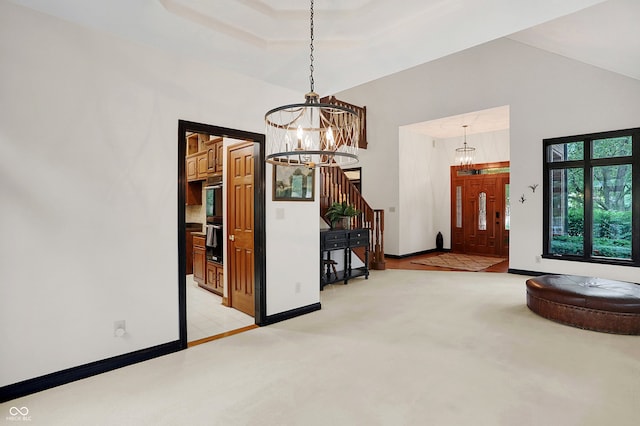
(587, 164)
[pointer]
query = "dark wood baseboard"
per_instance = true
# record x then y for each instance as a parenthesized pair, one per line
(282, 316)
(525, 272)
(418, 253)
(69, 375)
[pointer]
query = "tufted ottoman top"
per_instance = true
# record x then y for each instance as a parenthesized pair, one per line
(587, 292)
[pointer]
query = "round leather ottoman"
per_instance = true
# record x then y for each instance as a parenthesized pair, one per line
(586, 302)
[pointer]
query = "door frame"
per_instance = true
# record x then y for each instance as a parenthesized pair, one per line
(259, 218)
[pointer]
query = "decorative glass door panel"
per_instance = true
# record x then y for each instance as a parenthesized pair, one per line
(482, 211)
(459, 206)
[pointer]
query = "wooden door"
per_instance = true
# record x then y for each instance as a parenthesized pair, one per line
(240, 227)
(479, 209)
(480, 212)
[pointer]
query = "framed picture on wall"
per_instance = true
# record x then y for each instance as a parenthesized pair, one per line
(293, 183)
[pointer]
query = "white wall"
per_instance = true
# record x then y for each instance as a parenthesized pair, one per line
(415, 204)
(88, 188)
(548, 95)
(293, 250)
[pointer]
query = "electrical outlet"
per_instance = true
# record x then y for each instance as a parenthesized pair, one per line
(119, 328)
(538, 259)
(297, 288)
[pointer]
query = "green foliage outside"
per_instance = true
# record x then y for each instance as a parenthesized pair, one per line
(612, 234)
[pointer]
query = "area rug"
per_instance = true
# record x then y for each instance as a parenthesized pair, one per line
(463, 262)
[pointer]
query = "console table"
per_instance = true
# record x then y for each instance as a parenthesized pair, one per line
(344, 240)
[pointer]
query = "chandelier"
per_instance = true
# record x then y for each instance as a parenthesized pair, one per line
(465, 154)
(312, 133)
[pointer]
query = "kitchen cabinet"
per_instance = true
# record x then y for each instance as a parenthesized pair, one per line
(214, 148)
(215, 277)
(211, 157)
(193, 142)
(207, 162)
(192, 168)
(196, 166)
(219, 148)
(214, 156)
(202, 165)
(199, 258)
(208, 274)
(190, 229)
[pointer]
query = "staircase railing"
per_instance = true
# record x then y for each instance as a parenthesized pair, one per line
(361, 112)
(335, 186)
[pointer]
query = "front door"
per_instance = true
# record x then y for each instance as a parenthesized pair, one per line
(481, 215)
(480, 211)
(240, 228)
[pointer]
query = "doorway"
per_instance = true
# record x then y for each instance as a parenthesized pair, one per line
(257, 267)
(480, 209)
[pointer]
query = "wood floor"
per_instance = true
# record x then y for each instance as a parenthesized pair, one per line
(405, 263)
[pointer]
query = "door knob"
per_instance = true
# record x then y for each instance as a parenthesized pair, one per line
(232, 237)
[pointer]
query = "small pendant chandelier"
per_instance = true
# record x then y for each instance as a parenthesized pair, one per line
(465, 154)
(312, 133)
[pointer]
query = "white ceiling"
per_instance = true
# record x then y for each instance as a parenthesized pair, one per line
(357, 41)
(484, 121)
(606, 35)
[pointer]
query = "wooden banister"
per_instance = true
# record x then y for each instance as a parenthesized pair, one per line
(361, 112)
(335, 186)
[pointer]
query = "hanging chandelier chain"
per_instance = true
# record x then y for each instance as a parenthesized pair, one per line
(465, 135)
(311, 54)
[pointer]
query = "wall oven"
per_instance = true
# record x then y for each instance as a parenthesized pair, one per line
(213, 188)
(214, 230)
(214, 242)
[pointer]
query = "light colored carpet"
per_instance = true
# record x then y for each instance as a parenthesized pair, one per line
(463, 262)
(401, 348)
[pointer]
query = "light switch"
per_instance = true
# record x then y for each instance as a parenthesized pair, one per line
(280, 214)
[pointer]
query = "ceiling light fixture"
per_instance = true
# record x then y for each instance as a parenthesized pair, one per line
(465, 154)
(312, 133)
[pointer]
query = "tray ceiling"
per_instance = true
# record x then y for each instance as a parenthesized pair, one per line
(358, 40)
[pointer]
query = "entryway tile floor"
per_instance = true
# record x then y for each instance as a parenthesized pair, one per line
(206, 316)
